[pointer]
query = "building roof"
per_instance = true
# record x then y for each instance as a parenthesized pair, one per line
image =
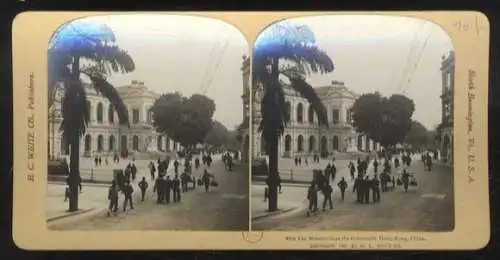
(336, 90)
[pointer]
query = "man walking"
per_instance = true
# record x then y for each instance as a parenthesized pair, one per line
(113, 198)
(127, 191)
(327, 193)
(159, 189)
(342, 186)
(143, 185)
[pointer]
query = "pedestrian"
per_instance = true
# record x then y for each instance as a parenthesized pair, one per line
(406, 179)
(367, 186)
(96, 160)
(106, 160)
(176, 188)
(396, 163)
(176, 166)
(143, 186)
(333, 172)
(327, 172)
(312, 196)
(327, 195)
(113, 198)
(375, 166)
(133, 171)
(167, 187)
(357, 187)
(375, 183)
(342, 186)
(197, 163)
(127, 191)
(158, 188)
(152, 170)
(279, 184)
(352, 170)
(100, 161)
(206, 179)
(66, 193)
(184, 180)
(296, 161)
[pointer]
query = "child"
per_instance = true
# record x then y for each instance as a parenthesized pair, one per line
(66, 193)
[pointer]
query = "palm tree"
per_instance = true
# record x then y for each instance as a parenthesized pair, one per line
(276, 44)
(88, 48)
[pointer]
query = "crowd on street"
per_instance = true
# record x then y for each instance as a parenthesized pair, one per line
(167, 179)
(388, 172)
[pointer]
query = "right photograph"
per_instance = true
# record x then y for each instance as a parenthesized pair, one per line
(352, 125)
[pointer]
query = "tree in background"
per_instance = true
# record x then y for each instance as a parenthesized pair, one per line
(218, 136)
(385, 120)
(418, 136)
(284, 49)
(185, 120)
(83, 48)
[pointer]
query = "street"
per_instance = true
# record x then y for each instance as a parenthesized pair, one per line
(225, 207)
(427, 207)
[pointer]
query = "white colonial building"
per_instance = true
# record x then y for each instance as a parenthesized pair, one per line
(104, 136)
(448, 88)
(303, 136)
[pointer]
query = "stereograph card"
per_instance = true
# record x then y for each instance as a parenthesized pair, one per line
(250, 130)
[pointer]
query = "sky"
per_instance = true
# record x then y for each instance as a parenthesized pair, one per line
(186, 54)
(372, 52)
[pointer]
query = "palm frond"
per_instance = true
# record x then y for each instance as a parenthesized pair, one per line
(58, 71)
(75, 112)
(300, 85)
(106, 89)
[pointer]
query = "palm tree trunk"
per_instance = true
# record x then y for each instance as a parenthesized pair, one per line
(272, 151)
(74, 165)
(273, 177)
(74, 173)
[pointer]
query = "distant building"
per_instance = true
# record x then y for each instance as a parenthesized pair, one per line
(104, 136)
(303, 136)
(245, 70)
(448, 89)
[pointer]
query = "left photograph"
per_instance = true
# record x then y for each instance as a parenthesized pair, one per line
(146, 124)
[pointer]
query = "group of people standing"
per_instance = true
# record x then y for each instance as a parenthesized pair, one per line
(364, 185)
(167, 188)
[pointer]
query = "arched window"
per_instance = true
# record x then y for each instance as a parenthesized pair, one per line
(89, 108)
(335, 116)
(312, 143)
(300, 113)
(111, 144)
(310, 115)
(111, 114)
(159, 143)
(300, 143)
(100, 143)
(88, 143)
(99, 112)
(288, 143)
(135, 143)
(335, 143)
(124, 143)
(288, 112)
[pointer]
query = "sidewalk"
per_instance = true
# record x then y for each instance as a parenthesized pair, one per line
(285, 206)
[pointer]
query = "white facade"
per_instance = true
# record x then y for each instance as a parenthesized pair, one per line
(303, 136)
(104, 136)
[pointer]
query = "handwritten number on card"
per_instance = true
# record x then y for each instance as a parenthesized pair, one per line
(467, 26)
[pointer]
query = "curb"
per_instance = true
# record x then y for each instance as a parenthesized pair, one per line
(273, 214)
(263, 179)
(71, 214)
(300, 185)
(92, 184)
